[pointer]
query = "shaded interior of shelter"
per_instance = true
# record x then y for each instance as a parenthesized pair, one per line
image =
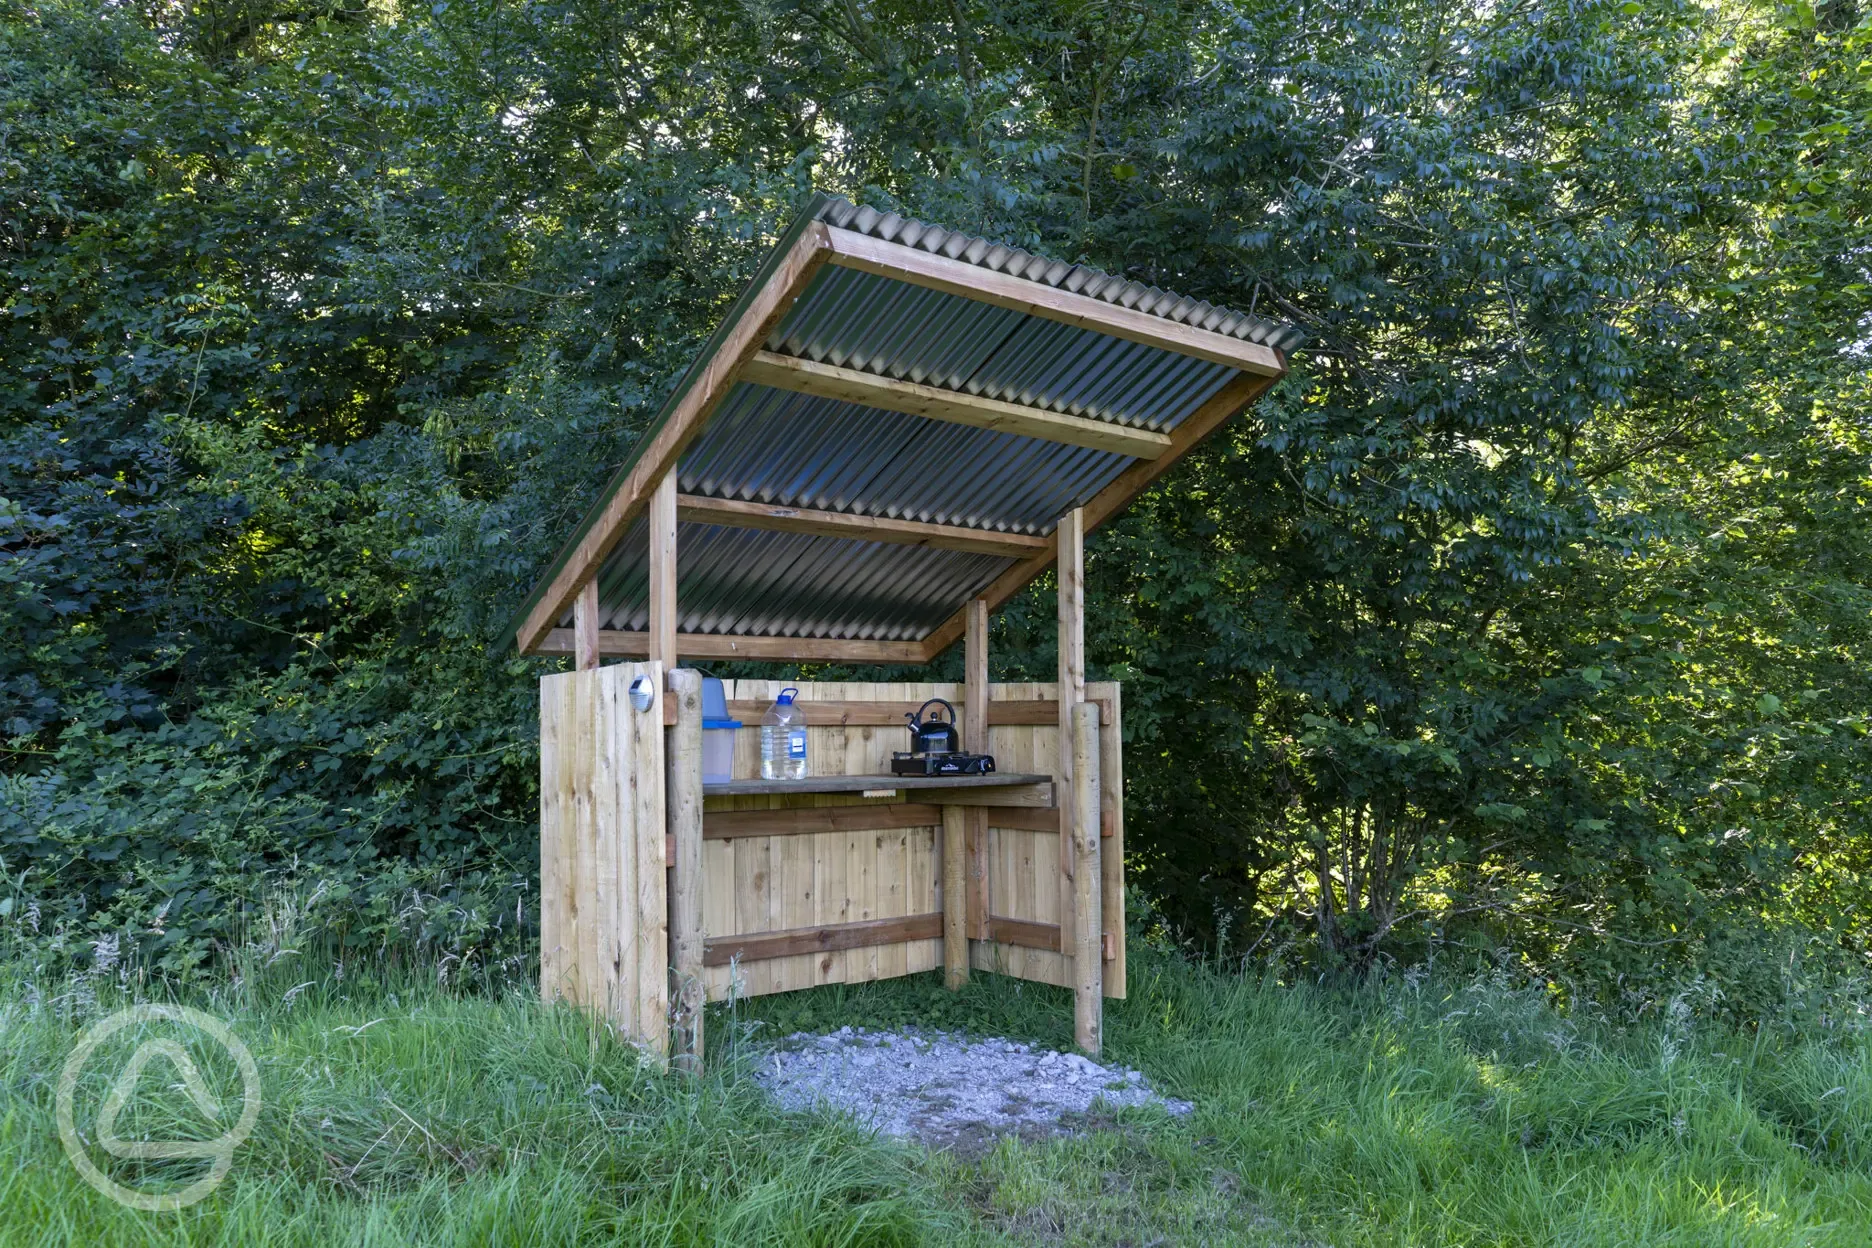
(789, 449)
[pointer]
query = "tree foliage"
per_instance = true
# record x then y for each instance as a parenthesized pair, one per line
(1532, 607)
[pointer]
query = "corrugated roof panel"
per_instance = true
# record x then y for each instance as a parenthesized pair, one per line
(773, 446)
(910, 333)
(753, 583)
(892, 228)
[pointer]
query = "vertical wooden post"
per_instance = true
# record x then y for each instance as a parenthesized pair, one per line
(684, 752)
(1088, 939)
(1071, 538)
(662, 625)
(955, 897)
(585, 627)
(975, 738)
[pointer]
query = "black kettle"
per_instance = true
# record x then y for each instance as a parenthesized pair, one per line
(933, 736)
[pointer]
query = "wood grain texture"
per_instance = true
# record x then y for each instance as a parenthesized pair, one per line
(726, 825)
(955, 897)
(661, 633)
(604, 904)
(1027, 935)
(718, 375)
(624, 644)
(1107, 696)
(683, 747)
(870, 933)
(971, 281)
(1088, 939)
(858, 859)
(741, 514)
(874, 390)
(975, 737)
(585, 632)
(1070, 569)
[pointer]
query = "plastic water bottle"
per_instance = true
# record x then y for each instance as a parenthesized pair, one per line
(783, 740)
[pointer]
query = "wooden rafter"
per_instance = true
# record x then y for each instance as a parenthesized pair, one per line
(851, 385)
(1232, 398)
(736, 513)
(629, 645)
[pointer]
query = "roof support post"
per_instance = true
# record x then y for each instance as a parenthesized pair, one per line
(975, 738)
(585, 627)
(662, 626)
(1070, 536)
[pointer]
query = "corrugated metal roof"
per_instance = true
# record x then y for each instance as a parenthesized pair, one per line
(1078, 278)
(790, 449)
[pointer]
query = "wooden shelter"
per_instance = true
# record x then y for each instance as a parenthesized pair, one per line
(895, 429)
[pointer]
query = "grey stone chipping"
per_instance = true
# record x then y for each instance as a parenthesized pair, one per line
(949, 1091)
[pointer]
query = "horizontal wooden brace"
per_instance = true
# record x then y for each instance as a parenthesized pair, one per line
(740, 514)
(730, 646)
(722, 950)
(853, 250)
(891, 714)
(1023, 933)
(851, 385)
(1023, 818)
(726, 825)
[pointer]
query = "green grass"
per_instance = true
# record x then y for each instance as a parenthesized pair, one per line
(1430, 1113)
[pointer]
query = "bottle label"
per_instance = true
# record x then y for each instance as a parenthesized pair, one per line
(796, 743)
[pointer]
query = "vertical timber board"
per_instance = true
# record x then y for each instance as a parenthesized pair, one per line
(683, 747)
(1087, 942)
(1024, 865)
(1070, 571)
(758, 884)
(604, 904)
(975, 737)
(553, 919)
(1111, 813)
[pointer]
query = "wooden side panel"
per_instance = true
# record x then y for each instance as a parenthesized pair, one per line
(604, 900)
(1023, 863)
(1111, 814)
(762, 882)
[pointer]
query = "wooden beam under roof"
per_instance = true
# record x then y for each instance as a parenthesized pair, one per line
(851, 385)
(739, 514)
(615, 643)
(853, 250)
(1232, 398)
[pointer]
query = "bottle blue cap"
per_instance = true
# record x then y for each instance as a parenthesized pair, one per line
(787, 696)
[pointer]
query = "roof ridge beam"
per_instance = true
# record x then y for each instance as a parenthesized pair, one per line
(740, 514)
(853, 250)
(851, 385)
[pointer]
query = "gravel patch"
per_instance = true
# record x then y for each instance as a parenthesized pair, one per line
(948, 1091)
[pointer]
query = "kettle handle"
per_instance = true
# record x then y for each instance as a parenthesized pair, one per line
(918, 717)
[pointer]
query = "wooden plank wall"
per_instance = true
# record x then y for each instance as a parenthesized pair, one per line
(850, 874)
(759, 886)
(603, 888)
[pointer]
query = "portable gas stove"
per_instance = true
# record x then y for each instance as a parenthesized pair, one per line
(941, 763)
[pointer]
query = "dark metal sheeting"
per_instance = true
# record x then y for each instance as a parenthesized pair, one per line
(859, 320)
(752, 583)
(774, 446)
(895, 228)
